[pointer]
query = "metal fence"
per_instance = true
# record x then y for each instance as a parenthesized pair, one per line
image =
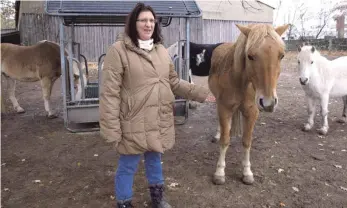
(334, 44)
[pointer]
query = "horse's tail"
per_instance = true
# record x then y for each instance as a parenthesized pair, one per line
(236, 124)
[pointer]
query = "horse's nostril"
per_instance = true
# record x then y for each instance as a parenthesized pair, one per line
(261, 102)
(303, 82)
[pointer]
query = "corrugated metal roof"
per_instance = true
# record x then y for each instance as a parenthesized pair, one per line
(163, 8)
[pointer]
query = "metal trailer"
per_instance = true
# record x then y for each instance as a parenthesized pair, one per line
(83, 114)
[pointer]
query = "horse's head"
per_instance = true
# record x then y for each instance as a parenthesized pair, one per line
(263, 52)
(78, 80)
(173, 50)
(306, 63)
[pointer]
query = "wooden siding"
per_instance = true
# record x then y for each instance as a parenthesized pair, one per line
(95, 40)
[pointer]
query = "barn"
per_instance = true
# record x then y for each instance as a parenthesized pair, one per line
(216, 24)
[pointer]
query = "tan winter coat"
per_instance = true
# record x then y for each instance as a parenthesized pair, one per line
(137, 97)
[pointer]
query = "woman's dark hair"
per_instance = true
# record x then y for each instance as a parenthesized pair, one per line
(130, 27)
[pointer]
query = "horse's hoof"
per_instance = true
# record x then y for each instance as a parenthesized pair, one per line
(51, 116)
(307, 127)
(342, 120)
(323, 131)
(20, 110)
(193, 105)
(249, 180)
(215, 140)
(218, 180)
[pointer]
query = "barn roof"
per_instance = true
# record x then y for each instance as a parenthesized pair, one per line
(115, 12)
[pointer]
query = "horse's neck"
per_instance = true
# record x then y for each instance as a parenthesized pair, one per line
(237, 74)
(239, 64)
(323, 68)
(322, 76)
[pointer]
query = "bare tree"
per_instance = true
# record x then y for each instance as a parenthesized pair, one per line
(293, 17)
(278, 8)
(7, 14)
(323, 16)
(303, 18)
(250, 7)
(247, 6)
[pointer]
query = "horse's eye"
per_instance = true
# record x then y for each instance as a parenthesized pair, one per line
(250, 57)
(298, 62)
(311, 62)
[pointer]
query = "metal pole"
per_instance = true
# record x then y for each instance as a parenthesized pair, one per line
(63, 68)
(73, 39)
(72, 87)
(187, 62)
(78, 52)
(180, 63)
(186, 55)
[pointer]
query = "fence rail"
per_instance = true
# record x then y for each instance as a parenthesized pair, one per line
(334, 44)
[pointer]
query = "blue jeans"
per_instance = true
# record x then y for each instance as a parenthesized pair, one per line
(127, 167)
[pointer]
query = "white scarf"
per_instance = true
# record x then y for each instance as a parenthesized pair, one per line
(146, 44)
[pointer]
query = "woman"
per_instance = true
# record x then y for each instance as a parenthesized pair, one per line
(136, 103)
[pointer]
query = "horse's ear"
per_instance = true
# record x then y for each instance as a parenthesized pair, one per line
(245, 30)
(299, 47)
(313, 49)
(281, 29)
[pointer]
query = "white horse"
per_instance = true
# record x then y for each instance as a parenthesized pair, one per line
(39, 62)
(321, 79)
(173, 52)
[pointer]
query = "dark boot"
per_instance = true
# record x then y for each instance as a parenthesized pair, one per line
(157, 196)
(124, 204)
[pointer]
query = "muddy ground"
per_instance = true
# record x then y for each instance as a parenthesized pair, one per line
(292, 168)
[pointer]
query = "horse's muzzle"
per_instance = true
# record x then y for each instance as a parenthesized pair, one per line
(268, 105)
(303, 81)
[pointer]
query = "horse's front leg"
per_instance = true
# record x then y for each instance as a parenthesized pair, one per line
(343, 119)
(311, 114)
(11, 92)
(250, 115)
(47, 85)
(216, 137)
(224, 121)
(324, 104)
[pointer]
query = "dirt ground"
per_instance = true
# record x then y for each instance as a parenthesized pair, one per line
(292, 168)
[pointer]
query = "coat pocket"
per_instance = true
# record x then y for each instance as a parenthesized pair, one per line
(126, 104)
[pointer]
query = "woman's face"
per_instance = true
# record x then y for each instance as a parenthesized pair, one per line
(145, 25)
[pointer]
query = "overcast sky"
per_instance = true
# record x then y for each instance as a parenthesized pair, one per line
(288, 7)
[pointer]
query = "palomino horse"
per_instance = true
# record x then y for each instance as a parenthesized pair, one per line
(243, 79)
(39, 62)
(320, 79)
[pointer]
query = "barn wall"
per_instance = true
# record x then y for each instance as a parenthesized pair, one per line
(95, 40)
(34, 26)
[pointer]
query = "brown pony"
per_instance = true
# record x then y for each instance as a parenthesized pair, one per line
(243, 78)
(39, 62)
